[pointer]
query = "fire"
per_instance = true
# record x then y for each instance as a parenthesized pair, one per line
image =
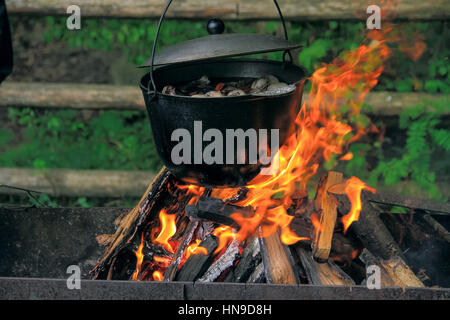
(157, 276)
(353, 189)
(325, 127)
(194, 248)
(168, 229)
(140, 259)
(321, 133)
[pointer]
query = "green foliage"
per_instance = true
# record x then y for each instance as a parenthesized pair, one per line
(63, 139)
(427, 138)
(322, 41)
(42, 201)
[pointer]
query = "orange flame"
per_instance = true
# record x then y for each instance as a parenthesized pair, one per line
(194, 248)
(347, 156)
(157, 276)
(316, 222)
(320, 134)
(323, 130)
(353, 189)
(168, 229)
(140, 259)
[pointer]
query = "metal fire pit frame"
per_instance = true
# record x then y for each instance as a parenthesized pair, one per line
(56, 289)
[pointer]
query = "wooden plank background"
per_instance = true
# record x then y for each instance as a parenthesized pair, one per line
(105, 96)
(295, 10)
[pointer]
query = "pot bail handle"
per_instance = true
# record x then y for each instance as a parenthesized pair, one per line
(152, 80)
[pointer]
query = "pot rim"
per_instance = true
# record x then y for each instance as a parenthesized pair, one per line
(236, 98)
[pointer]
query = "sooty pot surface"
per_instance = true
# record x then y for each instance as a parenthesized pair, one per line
(168, 113)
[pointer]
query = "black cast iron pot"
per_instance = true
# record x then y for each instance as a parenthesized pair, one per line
(190, 60)
(168, 113)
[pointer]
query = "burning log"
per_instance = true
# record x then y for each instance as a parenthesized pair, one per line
(196, 265)
(393, 272)
(322, 273)
(129, 224)
(278, 263)
(225, 261)
(216, 210)
(368, 228)
(171, 271)
(328, 208)
(377, 239)
(251, 258)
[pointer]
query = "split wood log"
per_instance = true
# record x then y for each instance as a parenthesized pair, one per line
(328, 214)
(76, 183)
(251, 258)
(279, 266)
(196, 265)
(368, 228)
(225, 261)
(324, 274)
(128, 225)
(301, 10)
(394, 272)
(171, 271)
(106, 96)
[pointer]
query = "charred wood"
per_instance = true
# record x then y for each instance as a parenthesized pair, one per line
(251, 258)
(169, 274)
(130, 223)
(216, 210)
(225, 261)
(196, 265)
(258, 275)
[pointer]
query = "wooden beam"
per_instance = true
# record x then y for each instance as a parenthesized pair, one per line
(70, 96)
(328, 214)
(294, 10)
(76, 183)
(106, 96)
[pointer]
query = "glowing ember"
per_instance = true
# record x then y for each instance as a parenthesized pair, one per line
(168, 229)
(353, 188)
(140, 258)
